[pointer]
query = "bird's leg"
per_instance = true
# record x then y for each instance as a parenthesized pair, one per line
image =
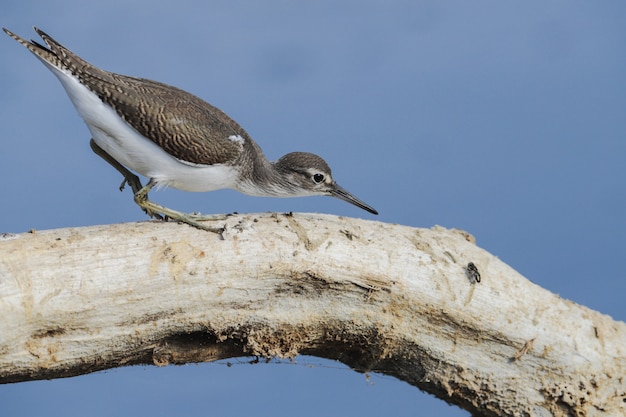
(129, 178)
(150, 208)
(141, 198)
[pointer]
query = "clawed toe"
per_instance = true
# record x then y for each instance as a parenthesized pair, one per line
(155, 215)
(133, 182)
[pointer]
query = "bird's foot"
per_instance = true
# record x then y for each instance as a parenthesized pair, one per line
(133, 181)
(129, 178)
(195, 221)
(163, 213)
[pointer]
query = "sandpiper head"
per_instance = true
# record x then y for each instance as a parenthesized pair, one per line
(308, 174)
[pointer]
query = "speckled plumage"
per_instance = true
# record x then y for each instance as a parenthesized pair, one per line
(175, 138)
(182, 124)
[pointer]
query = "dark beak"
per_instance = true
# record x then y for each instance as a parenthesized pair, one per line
(344, 195)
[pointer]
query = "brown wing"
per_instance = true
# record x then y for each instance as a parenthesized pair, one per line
(185, 126)
(182, 124)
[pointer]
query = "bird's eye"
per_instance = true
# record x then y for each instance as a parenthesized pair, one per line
(318, 178)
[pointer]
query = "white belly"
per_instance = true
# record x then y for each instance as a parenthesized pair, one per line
(137, 152)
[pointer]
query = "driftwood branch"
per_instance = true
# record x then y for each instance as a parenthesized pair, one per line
(378, 297)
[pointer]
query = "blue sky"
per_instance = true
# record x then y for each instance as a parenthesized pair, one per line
(505, 119)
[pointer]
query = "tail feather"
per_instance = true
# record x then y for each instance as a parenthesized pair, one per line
(55, 54)
(36, 48)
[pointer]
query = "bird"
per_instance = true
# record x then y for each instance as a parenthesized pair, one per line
(175, 139)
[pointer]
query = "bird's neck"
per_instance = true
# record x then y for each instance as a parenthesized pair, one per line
(262, 178)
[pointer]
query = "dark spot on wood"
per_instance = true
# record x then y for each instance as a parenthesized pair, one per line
(348, 234)
(51, 332)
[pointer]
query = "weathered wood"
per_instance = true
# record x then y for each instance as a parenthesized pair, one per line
(378, 297)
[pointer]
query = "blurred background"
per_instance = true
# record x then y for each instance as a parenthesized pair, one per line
(505, 119)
